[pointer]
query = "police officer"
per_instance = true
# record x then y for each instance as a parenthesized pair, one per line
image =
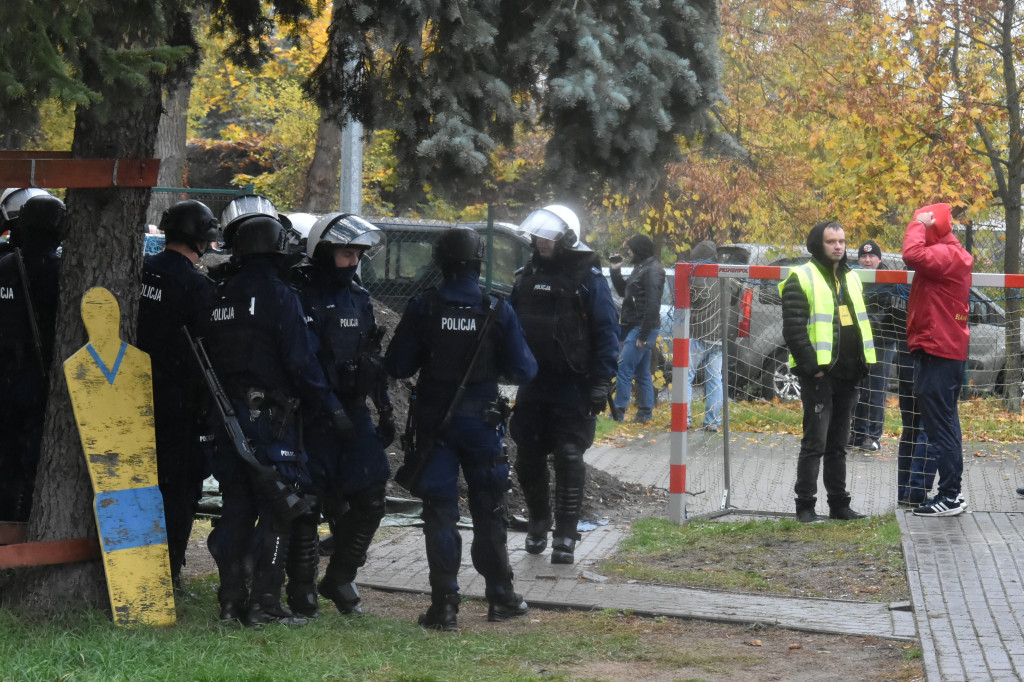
(28, 314)
(440, 331)
(570, 322)
(263, 354)
(175, 295)
(348, 475)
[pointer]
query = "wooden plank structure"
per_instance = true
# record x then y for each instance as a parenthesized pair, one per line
(111, 389)
(59, 169)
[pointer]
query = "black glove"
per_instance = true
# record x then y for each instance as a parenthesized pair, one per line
(597, 398)
(342, 424)
(386, 426)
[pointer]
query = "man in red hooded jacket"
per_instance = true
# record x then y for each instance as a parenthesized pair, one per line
(937, 336)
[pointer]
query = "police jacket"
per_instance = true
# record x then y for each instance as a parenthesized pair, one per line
(257, 338)
(435, 335)
(16, 342)
(846, 354)
(339, 313)
(570, 322)
(641, 295)
(174, 295)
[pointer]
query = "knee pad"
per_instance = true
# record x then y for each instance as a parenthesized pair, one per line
(569, 459)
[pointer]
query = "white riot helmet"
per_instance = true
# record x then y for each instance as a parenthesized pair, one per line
(557, 223)
(14, 198)
(343, 229)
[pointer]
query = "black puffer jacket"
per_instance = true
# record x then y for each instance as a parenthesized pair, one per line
(848, 361)
(641, 291)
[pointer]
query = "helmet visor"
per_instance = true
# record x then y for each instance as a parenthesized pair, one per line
(340, 229)
(247, 205)
(12, 203)
(544, 224)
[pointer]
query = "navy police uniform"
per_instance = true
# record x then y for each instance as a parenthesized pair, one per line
(21, 377)
(175, 295)
(570, 322)
(348, 475)
(263, 354)
(435, 337)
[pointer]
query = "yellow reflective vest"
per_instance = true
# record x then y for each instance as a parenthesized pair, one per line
(822, 308)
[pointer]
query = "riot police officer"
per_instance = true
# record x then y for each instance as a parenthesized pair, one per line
(263, 353)
(458, 336)
(174, 295)
(28, 313)
(349, 476)
(571, 324)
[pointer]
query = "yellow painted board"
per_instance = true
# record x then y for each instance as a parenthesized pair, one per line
(111, 389)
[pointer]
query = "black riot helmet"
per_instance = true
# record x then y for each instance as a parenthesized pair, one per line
(258, 235)
(459, 245)
(190, 219)
(41, 220)
(189, 222)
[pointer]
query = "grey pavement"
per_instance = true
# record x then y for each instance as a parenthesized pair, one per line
(965, 572)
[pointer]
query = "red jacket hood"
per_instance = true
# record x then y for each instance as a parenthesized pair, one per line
(943, 223)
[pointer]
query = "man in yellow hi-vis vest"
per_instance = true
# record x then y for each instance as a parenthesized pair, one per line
(826, 327)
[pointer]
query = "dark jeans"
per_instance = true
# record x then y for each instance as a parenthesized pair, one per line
(828, 406)
(869, 417)
(937, 390)
(915, 473)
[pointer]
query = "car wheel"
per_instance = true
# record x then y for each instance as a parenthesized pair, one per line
(778, 379)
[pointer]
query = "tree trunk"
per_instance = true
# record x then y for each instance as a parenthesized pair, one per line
(103, 248)
(171, 139)
(324, 174)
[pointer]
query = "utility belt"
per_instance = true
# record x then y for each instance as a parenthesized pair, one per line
(356, 377)
(490, 412)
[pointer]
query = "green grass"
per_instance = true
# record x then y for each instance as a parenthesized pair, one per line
(982, 419)
(743, 552)
(87, 646)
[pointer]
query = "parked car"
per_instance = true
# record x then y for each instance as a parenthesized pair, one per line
(759, 365)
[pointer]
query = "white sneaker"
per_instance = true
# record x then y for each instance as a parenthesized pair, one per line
(942, 506)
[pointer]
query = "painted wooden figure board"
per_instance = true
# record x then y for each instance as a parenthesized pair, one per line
(111, 389)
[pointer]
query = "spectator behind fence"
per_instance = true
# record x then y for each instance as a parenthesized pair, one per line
(706, 337)
(825, 324)
(639, 324)
(937, 335)
(869, 416)
(915, 469)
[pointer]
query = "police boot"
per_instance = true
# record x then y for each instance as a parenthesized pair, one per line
(537, 535)
(345, 595)
(839, 509)
(353, 535)
(562, 548)
(267, 608)
(301, 567)
(443, 613)
(506, 605)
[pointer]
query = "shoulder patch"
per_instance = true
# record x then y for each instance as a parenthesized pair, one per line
(595, 271)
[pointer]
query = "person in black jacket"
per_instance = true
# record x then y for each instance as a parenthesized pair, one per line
(825, 325)
(174, 295)
(869, 417)
(639, 324)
